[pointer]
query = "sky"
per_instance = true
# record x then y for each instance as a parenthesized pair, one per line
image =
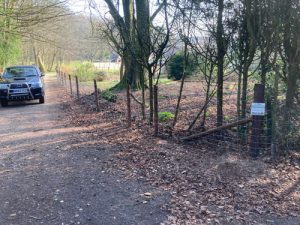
(79, 6)
(82, 6)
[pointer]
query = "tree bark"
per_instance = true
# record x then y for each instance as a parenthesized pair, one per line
(220, 58)
(151, 103)
(293, 73)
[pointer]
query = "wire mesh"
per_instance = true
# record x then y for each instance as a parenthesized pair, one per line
(279, 133)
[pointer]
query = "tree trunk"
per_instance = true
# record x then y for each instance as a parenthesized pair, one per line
(293, 73)
(131, 72)
(151, 103)
(122, 69)
(52, 61)
(274, 143)
(244, 93)
(207, 96)
(238, 100)
(181, 84)
(143, 48)
(264, 66)
(220, 58)
(126, 28)
(155, 110)
(128, 105)
(143, 107)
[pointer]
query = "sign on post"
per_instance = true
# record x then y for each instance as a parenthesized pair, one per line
(258, 109)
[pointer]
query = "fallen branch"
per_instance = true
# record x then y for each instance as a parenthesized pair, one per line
(135, 99)
(224, 127)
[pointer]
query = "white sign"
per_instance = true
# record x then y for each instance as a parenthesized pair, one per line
(258, 109)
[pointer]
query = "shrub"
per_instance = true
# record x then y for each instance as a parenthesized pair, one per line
(99, 76)
(109, 96)
(176, 64)
(85, 71)
(165, 116)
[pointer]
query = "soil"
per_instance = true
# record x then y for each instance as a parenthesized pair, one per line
(54, 172)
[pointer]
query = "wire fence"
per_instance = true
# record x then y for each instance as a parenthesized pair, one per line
(262, 129)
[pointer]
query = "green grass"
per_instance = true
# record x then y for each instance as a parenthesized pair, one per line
(165, 80)
(105, 85)
(102, 85)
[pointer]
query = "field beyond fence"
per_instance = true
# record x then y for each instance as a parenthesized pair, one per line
(107, 66)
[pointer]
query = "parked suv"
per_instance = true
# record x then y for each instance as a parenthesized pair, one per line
(19, 83)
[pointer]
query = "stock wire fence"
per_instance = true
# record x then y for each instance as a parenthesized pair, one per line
(273, 132)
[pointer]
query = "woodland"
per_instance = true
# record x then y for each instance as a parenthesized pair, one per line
(227, 46)
(167, 90)
(220, 43)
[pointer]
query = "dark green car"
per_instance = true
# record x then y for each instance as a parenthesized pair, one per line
(22, 83)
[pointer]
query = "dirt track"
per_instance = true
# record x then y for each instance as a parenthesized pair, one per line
(50, 176)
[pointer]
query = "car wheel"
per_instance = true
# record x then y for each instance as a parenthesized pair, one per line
(4, 103)
(42, 100)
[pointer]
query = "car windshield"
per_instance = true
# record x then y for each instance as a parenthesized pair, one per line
(20, 72)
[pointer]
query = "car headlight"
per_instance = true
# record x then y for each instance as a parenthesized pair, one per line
(37, 85)
(3, 86)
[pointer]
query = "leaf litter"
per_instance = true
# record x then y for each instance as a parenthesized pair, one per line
(207, 185)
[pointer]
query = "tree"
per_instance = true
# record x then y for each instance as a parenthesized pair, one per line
(18, 19)
(290, 47)
(123, 35)
(221, 51)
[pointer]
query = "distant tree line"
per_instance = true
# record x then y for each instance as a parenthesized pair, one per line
(47, 33)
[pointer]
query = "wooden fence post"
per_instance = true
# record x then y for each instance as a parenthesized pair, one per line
(128, 105)
(155, 110)
(61, 77)
(77, 87)
(258, 114)
(65, 79)
(96, 95)
(70, 80)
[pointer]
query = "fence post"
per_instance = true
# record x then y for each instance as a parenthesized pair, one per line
(65, 79)
(128, 105)
(61, 77)
(96, 95)
(58, 76)
(155, 110)
(77, 87)
(70, 80)
(258, 113)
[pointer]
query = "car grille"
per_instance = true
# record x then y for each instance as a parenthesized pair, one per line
(16, 86)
